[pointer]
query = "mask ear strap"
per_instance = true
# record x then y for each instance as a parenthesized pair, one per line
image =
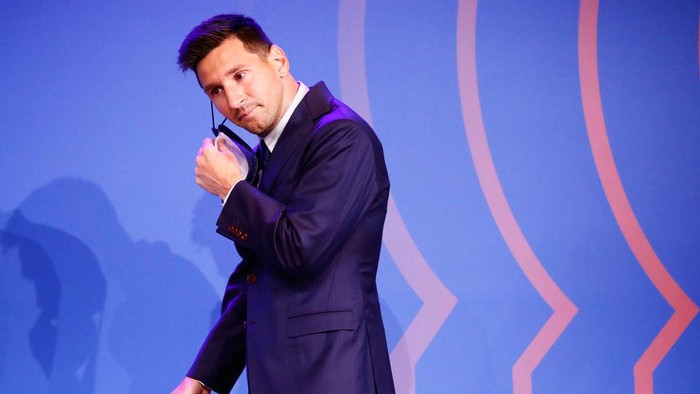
(213, 124)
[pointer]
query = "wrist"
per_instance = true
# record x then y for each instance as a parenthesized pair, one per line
(205, 389)
(226, 195)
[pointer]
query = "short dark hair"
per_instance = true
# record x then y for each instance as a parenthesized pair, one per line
(212, 32)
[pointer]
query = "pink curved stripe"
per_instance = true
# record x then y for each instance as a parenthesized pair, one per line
(438, 301)
(563, 309)
(684, 308)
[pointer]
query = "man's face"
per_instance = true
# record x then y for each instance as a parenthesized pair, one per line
(244, 87)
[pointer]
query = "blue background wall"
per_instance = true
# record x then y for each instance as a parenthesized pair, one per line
(509, 264)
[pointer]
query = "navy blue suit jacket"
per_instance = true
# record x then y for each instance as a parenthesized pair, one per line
(301, 310)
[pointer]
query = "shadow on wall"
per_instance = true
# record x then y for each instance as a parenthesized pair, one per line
(222, 250)
(83, 303)
(63, 338)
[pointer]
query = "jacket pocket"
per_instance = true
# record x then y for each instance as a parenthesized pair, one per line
(318, 322)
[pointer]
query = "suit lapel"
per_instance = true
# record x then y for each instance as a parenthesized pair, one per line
(315, 104)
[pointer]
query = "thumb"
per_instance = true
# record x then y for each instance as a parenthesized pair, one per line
(221, 145)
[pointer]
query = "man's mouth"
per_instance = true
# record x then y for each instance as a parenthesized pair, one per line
(245, 113)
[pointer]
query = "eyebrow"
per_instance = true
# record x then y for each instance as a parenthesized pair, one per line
(232, 70)
(235, 69)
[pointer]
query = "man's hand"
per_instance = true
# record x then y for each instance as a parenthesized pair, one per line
(190, 386)
(216, 168)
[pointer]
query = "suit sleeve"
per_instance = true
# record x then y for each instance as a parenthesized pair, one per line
(221, 358)
(336, 185)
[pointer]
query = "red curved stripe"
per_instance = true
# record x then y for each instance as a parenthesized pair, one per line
(563, 309)
(437, 299)
(684, 308)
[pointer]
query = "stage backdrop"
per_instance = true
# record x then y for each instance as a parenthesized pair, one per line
(543, 227)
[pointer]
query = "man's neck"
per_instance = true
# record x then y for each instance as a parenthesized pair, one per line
(272, 137)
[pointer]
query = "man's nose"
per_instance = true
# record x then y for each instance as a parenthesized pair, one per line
(235, 98)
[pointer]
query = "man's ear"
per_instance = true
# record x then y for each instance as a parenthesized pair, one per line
(278, 59)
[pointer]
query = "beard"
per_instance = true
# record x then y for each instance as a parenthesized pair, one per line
(258, 120)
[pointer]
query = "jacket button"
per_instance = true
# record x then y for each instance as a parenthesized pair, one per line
(245, 324)
(250, 279)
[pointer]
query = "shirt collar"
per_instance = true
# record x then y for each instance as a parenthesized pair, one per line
(274, 135)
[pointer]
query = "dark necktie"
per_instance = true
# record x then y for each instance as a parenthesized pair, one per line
(263, 155)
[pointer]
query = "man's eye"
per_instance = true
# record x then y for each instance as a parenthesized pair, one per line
(215, 91)
(239, 76)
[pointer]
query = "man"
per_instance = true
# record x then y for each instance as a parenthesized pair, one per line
(301, 310)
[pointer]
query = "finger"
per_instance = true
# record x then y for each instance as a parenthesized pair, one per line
(223, 147)
(207, 143)
(220, 142)
(200, 161)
